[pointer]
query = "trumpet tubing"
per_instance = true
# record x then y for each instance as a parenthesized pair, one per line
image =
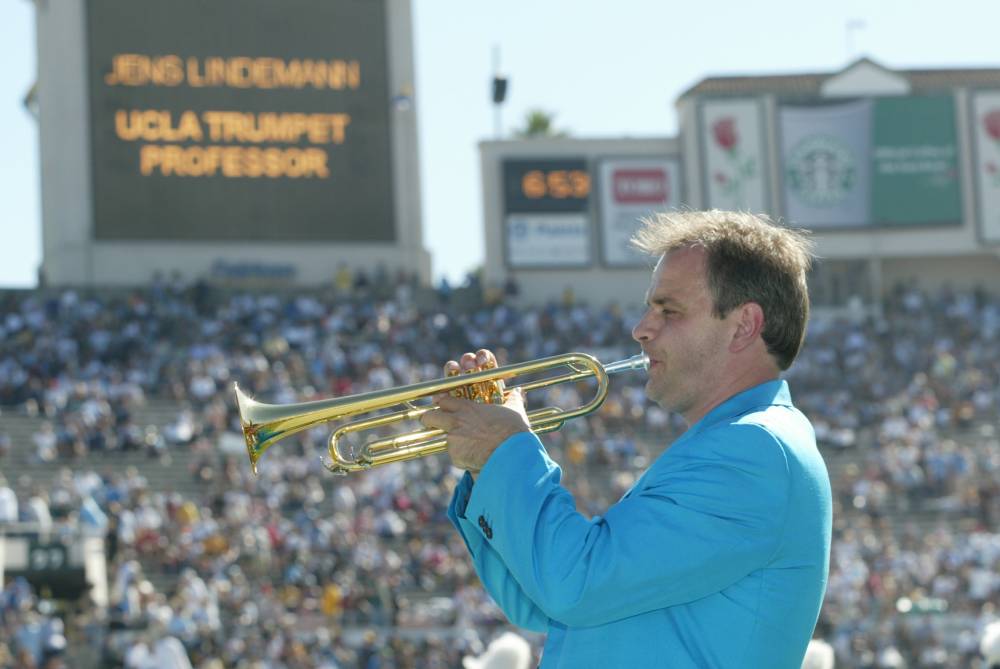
(266, 424)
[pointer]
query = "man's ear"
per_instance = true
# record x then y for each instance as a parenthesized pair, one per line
(749, 326)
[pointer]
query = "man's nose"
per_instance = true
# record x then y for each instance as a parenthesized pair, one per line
(641, 332)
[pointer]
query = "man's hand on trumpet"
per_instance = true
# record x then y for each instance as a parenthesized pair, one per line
(476, 429)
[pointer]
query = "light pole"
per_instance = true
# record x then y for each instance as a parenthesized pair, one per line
(499, 92)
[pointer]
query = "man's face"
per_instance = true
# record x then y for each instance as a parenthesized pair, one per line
(686, 344)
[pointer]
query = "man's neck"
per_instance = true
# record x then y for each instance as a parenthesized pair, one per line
(736, 385)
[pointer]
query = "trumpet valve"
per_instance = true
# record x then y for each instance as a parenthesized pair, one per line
(484, 392)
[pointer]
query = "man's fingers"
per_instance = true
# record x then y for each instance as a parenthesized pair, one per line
(515, 401)
(450, 403)
(441, 420)
(486, 360)
(481, 360)
(515, 397)
(468, 362)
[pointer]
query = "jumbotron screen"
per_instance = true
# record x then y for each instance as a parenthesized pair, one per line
(240, 120)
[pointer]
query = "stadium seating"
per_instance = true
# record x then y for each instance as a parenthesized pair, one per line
(303, 567)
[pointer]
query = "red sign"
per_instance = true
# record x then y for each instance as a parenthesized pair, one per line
(648, 186)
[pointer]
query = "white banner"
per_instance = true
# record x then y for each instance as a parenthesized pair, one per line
(986, 121)
(733, 155)
(631, 189)
(826, 164)
(548, 240)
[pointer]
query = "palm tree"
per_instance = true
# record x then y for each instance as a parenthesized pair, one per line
(538, 123)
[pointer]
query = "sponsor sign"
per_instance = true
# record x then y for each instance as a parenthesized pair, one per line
(547, 240)
(826, 167)
(630, 190)
(915, 162)
(873, 162)
(986, 129)
(733, 155)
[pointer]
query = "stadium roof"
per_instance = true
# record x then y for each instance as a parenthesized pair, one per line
(809, 84)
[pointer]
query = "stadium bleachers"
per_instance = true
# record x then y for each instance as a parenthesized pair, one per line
(297, 564)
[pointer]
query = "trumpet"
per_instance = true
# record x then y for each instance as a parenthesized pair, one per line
(266, 424)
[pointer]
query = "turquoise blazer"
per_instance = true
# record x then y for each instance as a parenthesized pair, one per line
(717, 557)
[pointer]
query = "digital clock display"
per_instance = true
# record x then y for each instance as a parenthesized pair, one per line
(546, 185)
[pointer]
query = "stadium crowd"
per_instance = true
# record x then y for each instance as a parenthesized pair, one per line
(297, 569)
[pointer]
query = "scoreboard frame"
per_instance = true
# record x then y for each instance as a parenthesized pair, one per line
(75, 254)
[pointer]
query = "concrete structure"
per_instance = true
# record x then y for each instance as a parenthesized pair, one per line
(866, 262)
(72, 255)
(597, 283)
(855, 261)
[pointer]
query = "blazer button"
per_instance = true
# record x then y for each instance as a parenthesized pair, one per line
(482, 522)
(489, 532)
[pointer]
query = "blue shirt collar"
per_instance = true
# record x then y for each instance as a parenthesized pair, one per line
(766, 394)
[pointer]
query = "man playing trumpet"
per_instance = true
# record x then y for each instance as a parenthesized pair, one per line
(718, 555)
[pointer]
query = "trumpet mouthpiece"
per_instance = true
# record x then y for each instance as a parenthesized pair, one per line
(634, 363)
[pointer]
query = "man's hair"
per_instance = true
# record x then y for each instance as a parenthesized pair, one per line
(749, 258)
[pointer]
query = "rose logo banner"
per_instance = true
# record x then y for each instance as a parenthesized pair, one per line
(986, 128)
(733, 155)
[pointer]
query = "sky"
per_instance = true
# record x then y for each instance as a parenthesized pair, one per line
(603, 69)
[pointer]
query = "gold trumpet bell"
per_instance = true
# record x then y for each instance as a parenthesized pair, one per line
(265, 424)
(251, 432)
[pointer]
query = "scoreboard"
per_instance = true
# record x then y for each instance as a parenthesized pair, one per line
(546, 185)
(581, 211)
(242, 120)
(546, 201)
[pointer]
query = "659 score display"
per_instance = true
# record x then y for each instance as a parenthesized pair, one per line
(558, 184)
(546, 184)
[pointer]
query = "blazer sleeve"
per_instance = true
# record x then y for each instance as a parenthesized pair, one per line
(493, 573)
(706, 516)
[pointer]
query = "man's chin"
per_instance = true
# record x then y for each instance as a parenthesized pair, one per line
(655, 394)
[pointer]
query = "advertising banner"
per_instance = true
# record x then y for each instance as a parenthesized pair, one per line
(877, 162)
(915, 162)
(631, 189)
(733, 158)
(826, 167)
(547, 240)
(986, 129)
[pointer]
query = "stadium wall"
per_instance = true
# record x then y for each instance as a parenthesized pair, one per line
(933, 273)
(868, 259)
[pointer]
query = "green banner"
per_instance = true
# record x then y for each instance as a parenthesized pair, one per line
(915, 176)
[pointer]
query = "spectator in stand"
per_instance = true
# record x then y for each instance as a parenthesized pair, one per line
(990, 645)
(819, 655)
(37, 510)
(8, 503)
(507, 651)
(45, 443)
